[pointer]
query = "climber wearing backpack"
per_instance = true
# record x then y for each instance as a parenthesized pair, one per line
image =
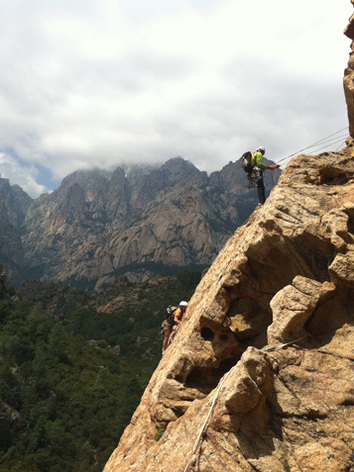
(177, 318)
(167, 326)
(255, 169)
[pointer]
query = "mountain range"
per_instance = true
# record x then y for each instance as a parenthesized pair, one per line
(135, 221)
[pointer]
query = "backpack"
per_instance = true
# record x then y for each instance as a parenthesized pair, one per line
(246, 161)
(170, 310)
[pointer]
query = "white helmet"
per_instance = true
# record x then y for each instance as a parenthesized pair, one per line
(261, 149)
(183, 304)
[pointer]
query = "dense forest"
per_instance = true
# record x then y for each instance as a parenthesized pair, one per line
(72, 374)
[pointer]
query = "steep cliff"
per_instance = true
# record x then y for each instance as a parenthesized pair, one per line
(13, 206)
(98, 225)
(349, 76)
(228, 395)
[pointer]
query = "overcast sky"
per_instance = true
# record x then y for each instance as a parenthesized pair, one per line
(99, 83)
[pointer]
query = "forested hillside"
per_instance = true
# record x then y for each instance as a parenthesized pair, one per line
(71, 376)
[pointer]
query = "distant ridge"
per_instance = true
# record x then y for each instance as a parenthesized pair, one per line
(98, 224)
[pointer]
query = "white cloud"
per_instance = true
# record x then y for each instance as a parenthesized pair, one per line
(101, 82)
(23, 175)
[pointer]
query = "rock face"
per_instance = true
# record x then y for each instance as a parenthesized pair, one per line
(14, 203)
(349, 76)
(260, 375)
(97, 226)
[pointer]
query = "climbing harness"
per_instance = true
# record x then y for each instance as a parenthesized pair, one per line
(204, 426)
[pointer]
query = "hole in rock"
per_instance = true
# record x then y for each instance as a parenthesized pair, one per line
(275, 269)
(331, 315)
(317, 256)
(306, 255)
(226, 365)
(205, 379)
(331, 176)
(207, 334)
(195, 378)
(249, 319)
(350, 214)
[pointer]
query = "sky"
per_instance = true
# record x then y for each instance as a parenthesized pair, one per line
(104, 83)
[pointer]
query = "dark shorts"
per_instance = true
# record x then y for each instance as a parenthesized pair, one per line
(166, 325)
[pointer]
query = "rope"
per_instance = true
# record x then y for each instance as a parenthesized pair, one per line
(322, 142)
(196, 444)
(334, 141)
(341, 144)
(210, 412)
(277, 348)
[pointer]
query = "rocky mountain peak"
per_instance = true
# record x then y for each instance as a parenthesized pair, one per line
(177, 170)
(15, 199)
(14, 203)
(84, 176)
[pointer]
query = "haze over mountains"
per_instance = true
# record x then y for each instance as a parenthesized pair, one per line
(137, 221)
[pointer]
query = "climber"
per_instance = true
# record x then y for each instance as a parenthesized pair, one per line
(167, 326)
(177, 318)
(256, 174)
